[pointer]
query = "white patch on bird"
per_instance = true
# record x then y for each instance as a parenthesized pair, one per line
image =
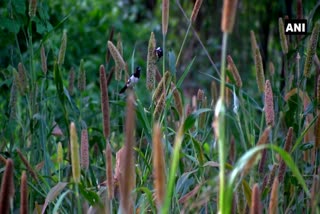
(133, 80)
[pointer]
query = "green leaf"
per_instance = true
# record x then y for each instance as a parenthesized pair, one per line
(301, 137)
(40, 26)
(19, 6)
(191, 119)
(306, 146)
(182, 181)
(91, 196)
(11, 25)
(149, 196)
(199, 152)
(185, 73)
(59, 202)
(240, 165)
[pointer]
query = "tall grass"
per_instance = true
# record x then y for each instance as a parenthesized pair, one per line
(255, 148)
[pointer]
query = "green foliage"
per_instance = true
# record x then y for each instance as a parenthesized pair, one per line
(35, 118)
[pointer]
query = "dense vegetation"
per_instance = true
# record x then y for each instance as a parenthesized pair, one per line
(226, 120)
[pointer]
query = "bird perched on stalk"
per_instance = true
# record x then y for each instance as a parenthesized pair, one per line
(159, 52)
(132, 80)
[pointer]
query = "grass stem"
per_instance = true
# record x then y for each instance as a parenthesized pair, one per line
(223, 205)
(183, 42)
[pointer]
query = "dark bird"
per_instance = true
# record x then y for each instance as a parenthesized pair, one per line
(132, 80)
(159, 52)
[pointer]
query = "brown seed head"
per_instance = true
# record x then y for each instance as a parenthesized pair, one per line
(195, 10)
(118, 70)
(109, 171)
(28, 165)
(22, 79)
(43, 60)
(24, 194)
(82, 76)
(259, 69)
(158, 165)
(7, 187)
(254, 44)
(127, 185)
(116, 56)
(165, 16)
(104, 102)
(228, 15)
(159, 107)
(271, 69)
(268, 104)
(84, 149)
(234, 72)
(110, 39)
(256, 206)
(273, 204)
(162, 87)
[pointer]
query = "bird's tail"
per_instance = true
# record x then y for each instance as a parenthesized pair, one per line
(123, 89)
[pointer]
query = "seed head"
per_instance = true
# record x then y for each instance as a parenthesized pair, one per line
(273, 204)
(7, 188)
(158, 165)
(22, 79)
(283, 38)
(63, 47)
(165, 16)
(43, 60)
(116, 56)
(256, 206)
(312, 46)
(162, 87)
(84, 149)
(75, 156)
(82, 76)
(59, 153)
(259, 70)
(234, 72)
(104, 102)
(268, 102)
(195, 10)
(118, 70)
(24, 194)
(151, 62)
(228, 15)
(109, 171)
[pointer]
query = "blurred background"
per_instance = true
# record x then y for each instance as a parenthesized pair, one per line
(89, 23)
